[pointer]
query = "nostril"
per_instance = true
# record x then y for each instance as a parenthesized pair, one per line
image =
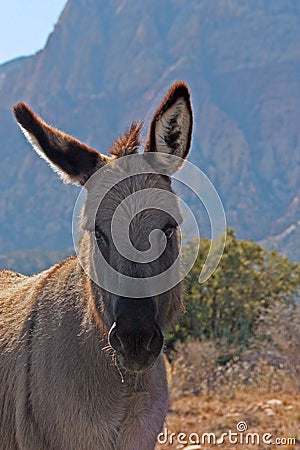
(156, 342)
(114, 339)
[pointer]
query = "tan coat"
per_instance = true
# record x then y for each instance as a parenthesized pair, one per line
(59, 390)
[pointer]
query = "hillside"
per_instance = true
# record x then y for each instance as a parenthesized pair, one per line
(32, 261)
(107, 63)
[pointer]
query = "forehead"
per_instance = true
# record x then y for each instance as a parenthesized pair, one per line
(145, 199)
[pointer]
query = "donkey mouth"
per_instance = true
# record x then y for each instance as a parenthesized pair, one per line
(138, 364)
(136, 352)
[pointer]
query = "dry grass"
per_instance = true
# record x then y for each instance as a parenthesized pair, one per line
(213, 388)
(263, 412)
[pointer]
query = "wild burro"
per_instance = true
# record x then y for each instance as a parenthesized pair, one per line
(80, 367)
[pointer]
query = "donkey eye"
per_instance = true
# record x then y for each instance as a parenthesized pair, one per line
(169, 232)
(100, 237)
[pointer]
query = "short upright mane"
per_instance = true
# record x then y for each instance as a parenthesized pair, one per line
(129, 143)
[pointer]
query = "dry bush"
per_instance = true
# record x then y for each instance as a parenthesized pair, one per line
(214, 386)
(270, 362)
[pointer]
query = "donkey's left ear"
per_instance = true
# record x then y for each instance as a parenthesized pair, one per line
(171, 126)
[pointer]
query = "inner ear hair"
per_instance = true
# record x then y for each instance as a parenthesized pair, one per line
(171, 134)
(171, 126)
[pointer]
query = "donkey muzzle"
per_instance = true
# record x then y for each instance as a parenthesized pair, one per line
(135, 335)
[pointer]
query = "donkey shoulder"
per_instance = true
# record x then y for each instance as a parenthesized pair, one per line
(19, 295)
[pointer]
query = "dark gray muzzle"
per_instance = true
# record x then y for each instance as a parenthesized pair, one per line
(135, 335)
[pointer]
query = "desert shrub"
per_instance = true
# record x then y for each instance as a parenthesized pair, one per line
(244, 289)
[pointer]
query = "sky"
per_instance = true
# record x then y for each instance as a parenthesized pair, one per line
(25, 25)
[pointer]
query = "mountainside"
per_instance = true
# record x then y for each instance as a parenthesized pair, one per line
(109, 62)
(33, 261)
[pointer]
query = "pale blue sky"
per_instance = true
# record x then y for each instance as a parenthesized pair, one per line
(25, 25)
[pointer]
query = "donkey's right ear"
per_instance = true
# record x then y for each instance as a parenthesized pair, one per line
(74, 161)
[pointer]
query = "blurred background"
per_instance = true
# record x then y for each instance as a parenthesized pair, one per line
(89, 67)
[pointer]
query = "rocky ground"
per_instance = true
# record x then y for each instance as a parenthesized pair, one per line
(255, 394)
(269, 415)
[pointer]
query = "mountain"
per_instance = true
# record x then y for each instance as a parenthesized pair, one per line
(32, 261)
(109, 62)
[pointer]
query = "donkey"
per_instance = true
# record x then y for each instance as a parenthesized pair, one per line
(82, 368)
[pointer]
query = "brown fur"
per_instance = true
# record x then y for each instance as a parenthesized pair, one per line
(129, 143)
(61, 385)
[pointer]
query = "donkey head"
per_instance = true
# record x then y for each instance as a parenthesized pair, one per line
(134, 325)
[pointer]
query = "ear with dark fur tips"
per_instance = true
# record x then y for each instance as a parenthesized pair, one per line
(74, 161)
(171, 126)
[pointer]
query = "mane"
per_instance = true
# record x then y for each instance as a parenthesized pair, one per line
(129, 143)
